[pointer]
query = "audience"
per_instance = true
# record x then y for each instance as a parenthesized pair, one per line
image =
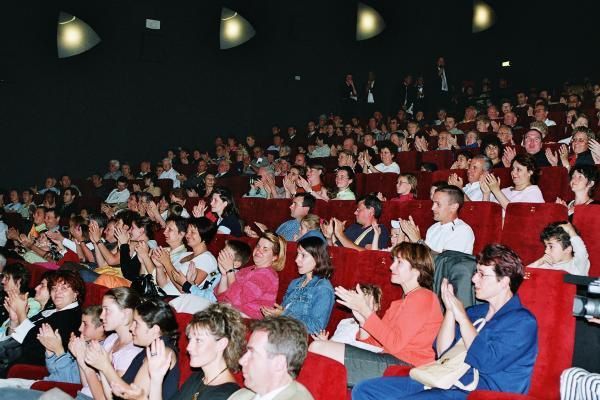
(502, 348)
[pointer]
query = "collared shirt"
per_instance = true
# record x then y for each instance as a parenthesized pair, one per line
(473, 191)
(271, 395)
(455, 235)
(393, 167)
(172, 175)
(345, 194)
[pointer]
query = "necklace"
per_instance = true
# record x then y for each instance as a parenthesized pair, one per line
(212, 380)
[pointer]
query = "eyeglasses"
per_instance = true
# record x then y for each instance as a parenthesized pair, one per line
(481, 275)
(581, 140)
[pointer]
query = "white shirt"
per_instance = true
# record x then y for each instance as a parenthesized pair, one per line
(473, 191)
(3, 231)
(393, 167)
(205, 262)
(172, 175)
(271, 395)
(579, 264)
(549, 122)
(117, 197)
(346, 333)
(455, 235)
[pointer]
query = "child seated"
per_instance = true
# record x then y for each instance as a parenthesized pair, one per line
(565, 250)
(310, 226)
(197, 298)
(347, 329)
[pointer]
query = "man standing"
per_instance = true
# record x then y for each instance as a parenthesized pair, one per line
(274, 355)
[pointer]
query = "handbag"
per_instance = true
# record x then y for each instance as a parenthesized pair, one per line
(446, 371)
(144, 285)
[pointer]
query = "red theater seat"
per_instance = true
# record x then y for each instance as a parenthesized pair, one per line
(340, 209)
(587, 221)
(554, 182)
(523, 224)
(374, 183)
(420, 210)
(408, 161)
(485, 218)
(442, 158)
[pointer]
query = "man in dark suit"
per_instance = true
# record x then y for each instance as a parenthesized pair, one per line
(406, 95)
(441, 87)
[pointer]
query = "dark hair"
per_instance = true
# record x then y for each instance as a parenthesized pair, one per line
(372, 201)
(528, 162)
(180, 223)
(300, 168)
(286, 336)
(590, 173)
(373, 290)
(70, 278)
(429, 167)
(122, 179)
(158, 312)
(320, 167)
(226, 195)
(241, 250)
(127, 217)
(308, 200)
(348, 171)
(143, 222)
(465, 153)
(19, 274)
(206, 228)
(318, 250)
(556, 231)
(125, 297)
(179, 193)
(100, 219)
(419, 258)
(492, 140)
(52, 210)
(74, 192)
(505, 262)
(455, 195)
(387, 144)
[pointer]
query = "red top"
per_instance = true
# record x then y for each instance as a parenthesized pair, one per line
(404, 197)
(253, 288)
(408, 328)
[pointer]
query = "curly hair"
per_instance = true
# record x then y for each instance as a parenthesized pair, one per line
(69, 278)
(505, 262)
(223, 321)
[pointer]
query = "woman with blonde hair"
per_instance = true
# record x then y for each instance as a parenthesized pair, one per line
(248, 289)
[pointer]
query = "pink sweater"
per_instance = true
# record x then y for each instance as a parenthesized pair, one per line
(253, 288)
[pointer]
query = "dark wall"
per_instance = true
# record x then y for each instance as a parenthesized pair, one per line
(140, 92)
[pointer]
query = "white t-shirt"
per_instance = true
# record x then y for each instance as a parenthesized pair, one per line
(393, 167)
(117, 197)
(346, 333)
(473, 191)
(531, 194)
(172, 175)
(455, 235)
(205, 262)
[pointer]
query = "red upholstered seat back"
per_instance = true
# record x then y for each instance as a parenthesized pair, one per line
(408, 161)
(485, 218)
(587, 221)
(420, 210)
(184, 358)
(550, 299)
(374, 183)
(442, 158)
(94, 294)
(341, 209)
(523, 224)
(554, 182)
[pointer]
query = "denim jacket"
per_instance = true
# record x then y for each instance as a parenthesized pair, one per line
(311, 304)
(63, 368)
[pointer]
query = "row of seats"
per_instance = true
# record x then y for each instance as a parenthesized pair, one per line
(543, 292)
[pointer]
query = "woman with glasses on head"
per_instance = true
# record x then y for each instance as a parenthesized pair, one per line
(504, 348)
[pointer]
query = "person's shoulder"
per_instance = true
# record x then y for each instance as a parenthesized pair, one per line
(242, 394)
(296, 391)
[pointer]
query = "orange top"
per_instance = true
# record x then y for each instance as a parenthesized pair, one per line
(408, 328)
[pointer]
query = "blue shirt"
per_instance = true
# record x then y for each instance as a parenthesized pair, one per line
(311, 304)
(63, 368)
(355, 230)
(505, 349)
(288, 229)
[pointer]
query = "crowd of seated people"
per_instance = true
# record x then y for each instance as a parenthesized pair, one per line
(154, 228)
